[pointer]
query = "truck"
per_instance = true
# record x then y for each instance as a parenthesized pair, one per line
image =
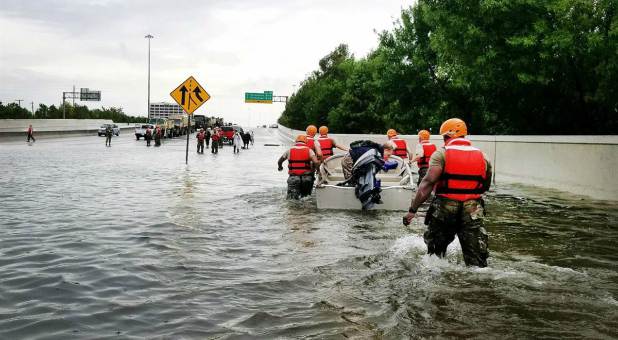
(140, 130)
(228, 133)
(161, 123)
(200, 122)
(180, 126)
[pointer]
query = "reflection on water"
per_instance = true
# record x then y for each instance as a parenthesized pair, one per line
(128, 241)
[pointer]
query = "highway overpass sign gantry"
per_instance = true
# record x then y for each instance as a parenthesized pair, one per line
(190, 95)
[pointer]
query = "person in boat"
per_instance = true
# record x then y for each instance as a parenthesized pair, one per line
(302, 162)
(401, 150)
(360, 167)
(460, 174)
(422, 154)
(311, 132)
(347, 162)
(327, 144)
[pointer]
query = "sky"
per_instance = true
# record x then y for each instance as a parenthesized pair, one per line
(230, 47)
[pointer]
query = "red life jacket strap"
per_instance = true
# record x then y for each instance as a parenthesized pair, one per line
(472, 178)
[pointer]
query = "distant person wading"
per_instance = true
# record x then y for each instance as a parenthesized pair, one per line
(108, 135)
(201, 137)
(30, 134)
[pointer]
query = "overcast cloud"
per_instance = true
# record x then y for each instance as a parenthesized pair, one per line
(231, 47)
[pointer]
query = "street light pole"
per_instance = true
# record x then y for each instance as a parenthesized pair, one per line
(149, 37)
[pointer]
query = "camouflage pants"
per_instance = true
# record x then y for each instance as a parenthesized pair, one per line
(300, 186)
(421, 174)
(447, 218)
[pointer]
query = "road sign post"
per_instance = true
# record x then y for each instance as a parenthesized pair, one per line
(190, 95)
(188, 134)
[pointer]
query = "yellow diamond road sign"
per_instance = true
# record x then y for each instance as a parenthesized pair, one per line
(190, 95)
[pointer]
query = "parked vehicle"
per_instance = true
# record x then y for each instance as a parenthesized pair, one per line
(274, 126)
(115, 129)
(140, 130)
(162, 123)
(180, 125)
(199, 121)
(228, 133)
(169, 128)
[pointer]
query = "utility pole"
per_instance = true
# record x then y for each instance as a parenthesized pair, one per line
(19, 101)
(73, 96)
(32, 103)
(149, 37)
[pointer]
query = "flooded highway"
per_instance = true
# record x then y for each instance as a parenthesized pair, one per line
(129, 242)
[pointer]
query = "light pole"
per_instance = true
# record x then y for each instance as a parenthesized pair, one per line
(148, 37)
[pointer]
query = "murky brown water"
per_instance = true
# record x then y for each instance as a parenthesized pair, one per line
(129, 242)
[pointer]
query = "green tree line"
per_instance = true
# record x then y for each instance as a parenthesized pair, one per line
(504, 66)
(14, 111)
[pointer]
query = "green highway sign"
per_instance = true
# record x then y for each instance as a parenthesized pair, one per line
(262, 98)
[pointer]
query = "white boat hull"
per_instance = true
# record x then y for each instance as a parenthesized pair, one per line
(343, 198)
(397, 188)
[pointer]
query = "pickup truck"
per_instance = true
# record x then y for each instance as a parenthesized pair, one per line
(140, 130)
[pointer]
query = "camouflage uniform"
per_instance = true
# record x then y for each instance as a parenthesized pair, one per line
(447, 218)
(300, 186)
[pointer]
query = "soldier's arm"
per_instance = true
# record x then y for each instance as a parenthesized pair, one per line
(314, 159)
(318, 149)
(281, 160)
(417, 155)
(426, 186)
(488, 174)
(410, 153)
(339, 146)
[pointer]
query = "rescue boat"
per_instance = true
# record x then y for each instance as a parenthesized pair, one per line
(397, 187)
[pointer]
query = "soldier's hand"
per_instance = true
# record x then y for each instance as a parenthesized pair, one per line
(407, 219)
(280, 168)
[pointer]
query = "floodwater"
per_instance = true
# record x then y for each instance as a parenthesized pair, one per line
(128, 242)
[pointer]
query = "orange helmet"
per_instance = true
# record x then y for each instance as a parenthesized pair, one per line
(323, 130)
(301, 139)
(391, 133)
(311, 130)
(424, 135)
(454, 128)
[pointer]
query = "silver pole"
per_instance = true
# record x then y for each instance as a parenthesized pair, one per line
(149, 37)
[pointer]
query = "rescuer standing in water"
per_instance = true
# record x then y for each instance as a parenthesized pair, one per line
(422, 154)
(460, 174)
(301, 164)
(402, 150)
(327, 144)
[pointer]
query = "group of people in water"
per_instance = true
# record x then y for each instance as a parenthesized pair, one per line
(455, 175)
(240, 140)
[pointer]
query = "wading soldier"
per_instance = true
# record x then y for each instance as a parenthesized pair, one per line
(424, 150)
(460, 174)
(301, 163)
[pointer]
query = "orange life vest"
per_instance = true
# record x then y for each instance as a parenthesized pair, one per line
(326, 144)
(428, 150)
(310, 143)
(401, 149)
(299, 162)
(464, 172)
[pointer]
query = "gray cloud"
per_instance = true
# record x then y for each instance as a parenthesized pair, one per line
(230, 46)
